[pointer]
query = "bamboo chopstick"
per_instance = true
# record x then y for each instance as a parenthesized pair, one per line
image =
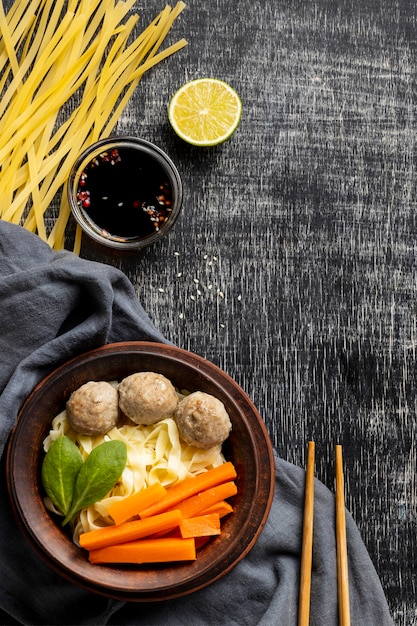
(342, 562)
(307, 545)
(307, 542)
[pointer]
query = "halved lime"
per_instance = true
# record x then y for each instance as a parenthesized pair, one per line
(205, 111)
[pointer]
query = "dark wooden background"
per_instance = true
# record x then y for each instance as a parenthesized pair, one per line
(293, 264)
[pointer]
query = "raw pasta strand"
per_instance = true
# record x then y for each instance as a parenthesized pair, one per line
(52, 51)
(17, 206)
(74, 157)
(40, 224)
(136, 78)
(128, 73)
(23, 101)
(53, 162)
(93, 138)
(8, 42)
(19, 26)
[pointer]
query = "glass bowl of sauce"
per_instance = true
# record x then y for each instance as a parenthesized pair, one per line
(125, 192)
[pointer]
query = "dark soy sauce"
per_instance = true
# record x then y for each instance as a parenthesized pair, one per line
(125, 193)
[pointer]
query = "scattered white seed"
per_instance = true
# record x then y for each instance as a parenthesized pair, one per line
(176, 253)
(222, 326)
(220, 293)
(198, 292)
(196, 281)
(179, 274)
(181, 316)
(239, 297)
(192, 298)
(210, 286)
(161, 290)
(205, 256)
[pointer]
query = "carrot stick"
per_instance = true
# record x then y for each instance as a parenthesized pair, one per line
(165, 550)
(124, 509)
(190, 487)
(191, 507)
(200, 526)
(196, 504)
(129, 531)
(221, 508)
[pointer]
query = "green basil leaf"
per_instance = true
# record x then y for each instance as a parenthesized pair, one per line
(60, 468)
(98, 475)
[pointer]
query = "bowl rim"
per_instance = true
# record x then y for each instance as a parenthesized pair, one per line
(104, 580)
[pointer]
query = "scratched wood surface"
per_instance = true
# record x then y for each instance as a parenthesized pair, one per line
(293, 264)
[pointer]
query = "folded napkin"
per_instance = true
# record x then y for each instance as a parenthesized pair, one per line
(54, 306)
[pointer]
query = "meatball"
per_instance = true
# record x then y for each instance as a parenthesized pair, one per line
(93, 409)
(147, 397)
(202, 420)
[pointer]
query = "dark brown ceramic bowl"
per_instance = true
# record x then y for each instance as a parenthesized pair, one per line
(248, 447)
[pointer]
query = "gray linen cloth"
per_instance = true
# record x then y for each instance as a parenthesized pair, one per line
(54, 306)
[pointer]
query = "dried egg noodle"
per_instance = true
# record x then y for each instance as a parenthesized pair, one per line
(154, 454)
(67, 71)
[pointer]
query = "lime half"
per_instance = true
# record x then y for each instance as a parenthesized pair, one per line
(205, 111)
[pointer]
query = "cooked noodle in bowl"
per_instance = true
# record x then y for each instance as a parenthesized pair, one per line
(155, 454)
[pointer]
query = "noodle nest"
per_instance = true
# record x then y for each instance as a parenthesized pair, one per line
(155, 454)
